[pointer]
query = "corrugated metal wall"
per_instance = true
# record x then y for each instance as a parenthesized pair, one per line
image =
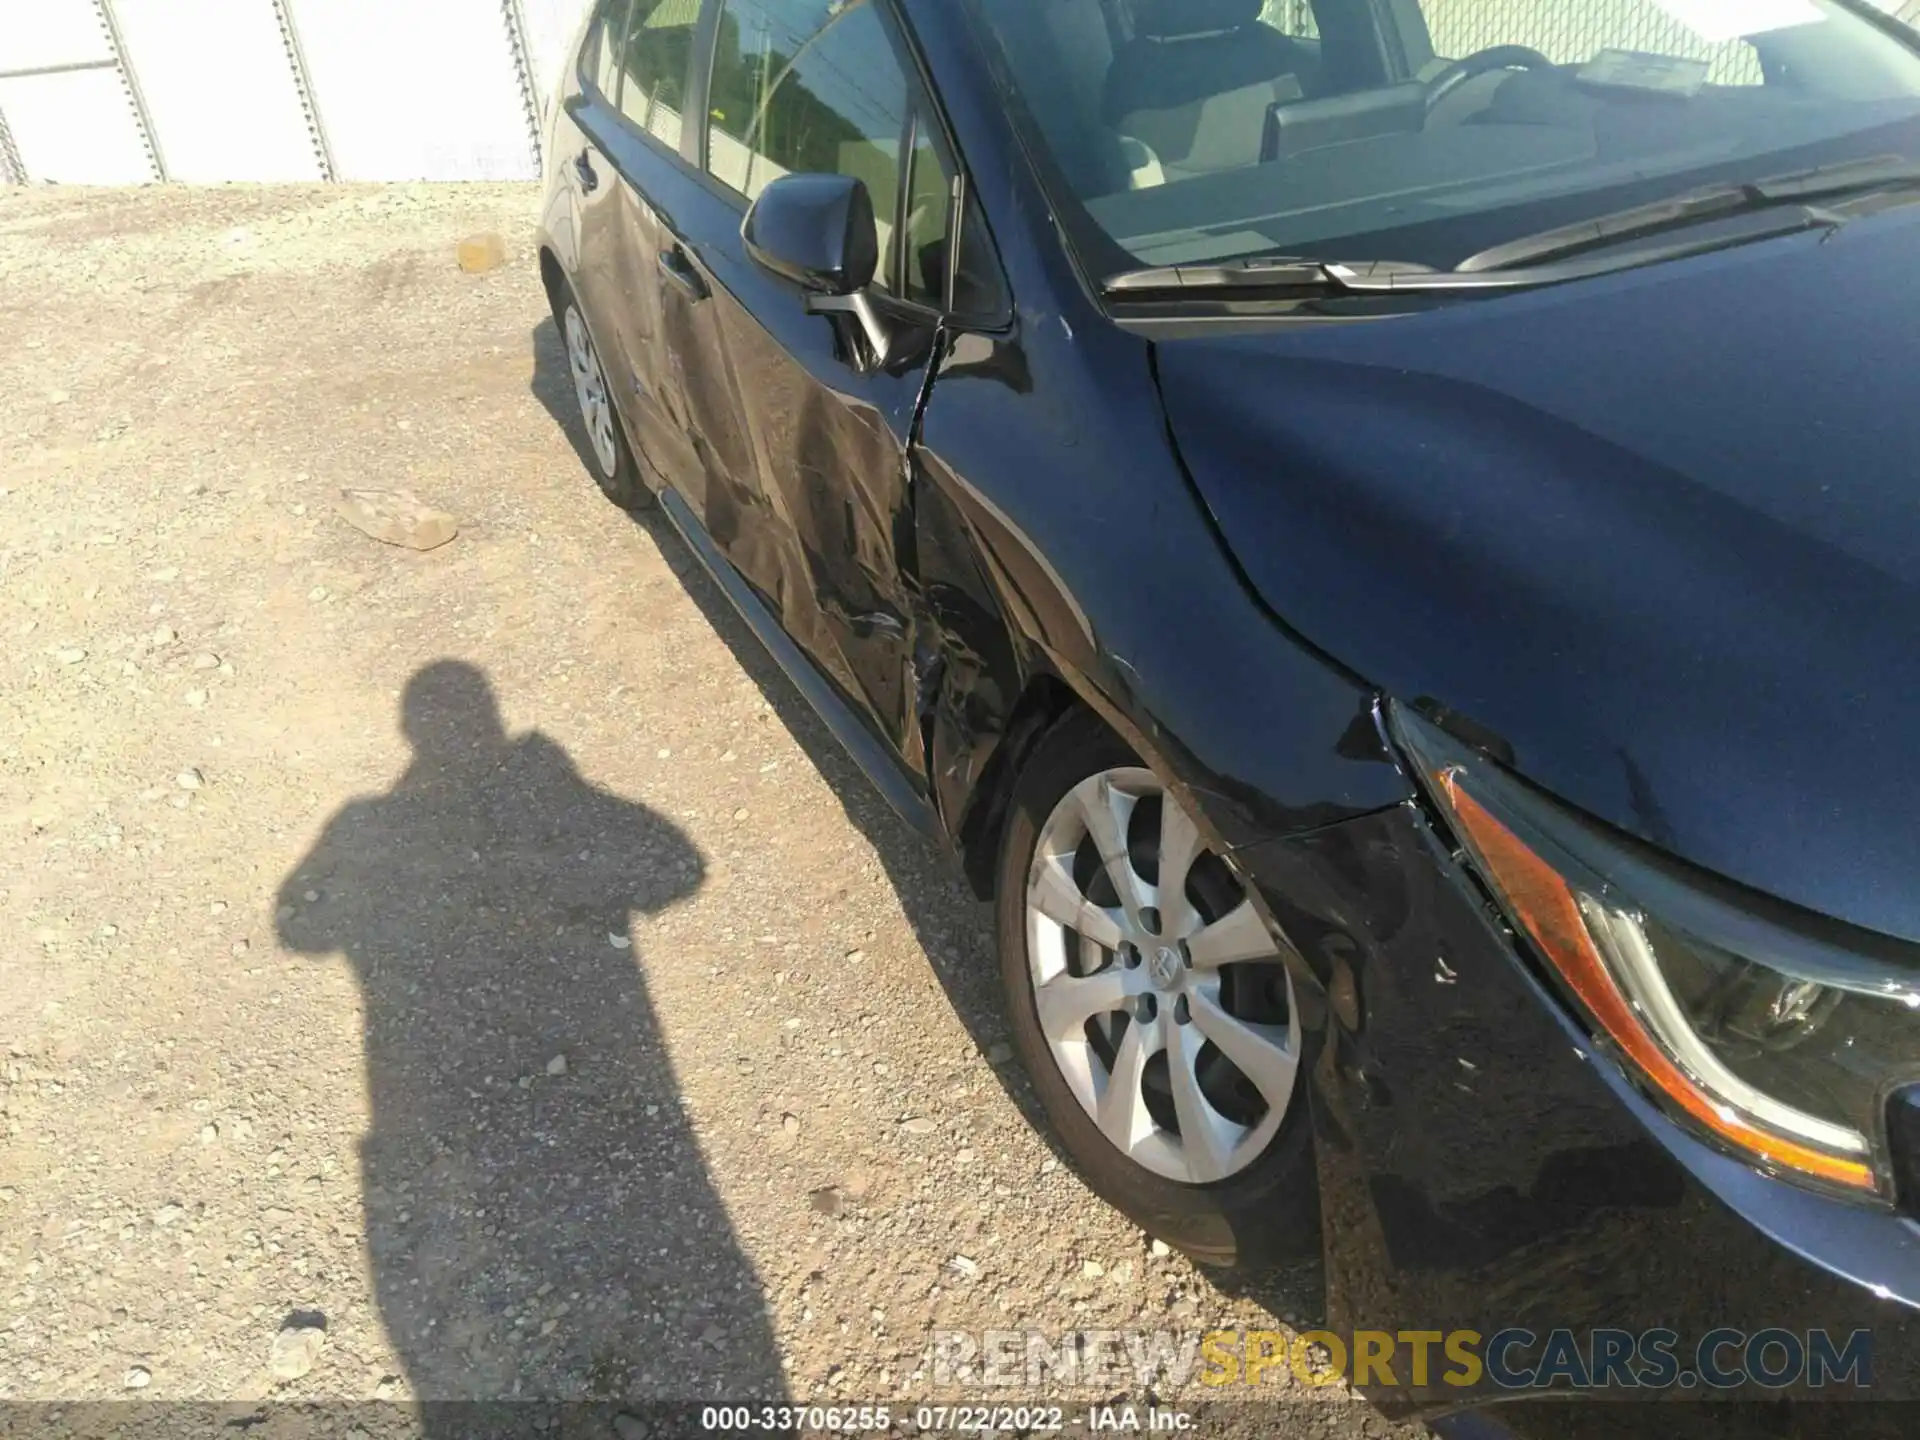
(111, 91)
(116, 91)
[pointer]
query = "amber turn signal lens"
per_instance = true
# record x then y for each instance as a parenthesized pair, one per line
(1540, 899)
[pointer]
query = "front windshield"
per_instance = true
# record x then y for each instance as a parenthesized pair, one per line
(1189, 131)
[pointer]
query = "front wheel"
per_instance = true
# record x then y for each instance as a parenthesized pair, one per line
(1150, 1005)
(611, 459)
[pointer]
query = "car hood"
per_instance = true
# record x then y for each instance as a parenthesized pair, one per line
(1658, 532)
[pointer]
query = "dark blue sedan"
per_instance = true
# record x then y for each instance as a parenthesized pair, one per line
(1384, 536)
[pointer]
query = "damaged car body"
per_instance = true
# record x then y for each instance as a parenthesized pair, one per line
(1386, 550)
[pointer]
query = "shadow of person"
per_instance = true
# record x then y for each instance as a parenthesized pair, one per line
(539, 1221)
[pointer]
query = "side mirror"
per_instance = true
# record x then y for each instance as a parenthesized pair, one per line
(817, 231)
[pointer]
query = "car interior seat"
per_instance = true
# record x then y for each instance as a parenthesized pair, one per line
(1195, 83)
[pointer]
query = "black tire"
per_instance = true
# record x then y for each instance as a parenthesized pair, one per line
(622, 483)
(1268, 1211)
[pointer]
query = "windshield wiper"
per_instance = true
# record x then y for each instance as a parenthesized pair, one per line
(1266, 278)
(1258, 272)
(1714, 202)
(1264, 274)
(1551, 257)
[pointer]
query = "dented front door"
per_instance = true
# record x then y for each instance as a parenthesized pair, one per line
(814, 507)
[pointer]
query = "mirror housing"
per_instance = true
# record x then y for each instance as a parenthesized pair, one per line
(817, 231)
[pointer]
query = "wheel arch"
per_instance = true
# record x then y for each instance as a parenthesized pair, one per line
(552, 276)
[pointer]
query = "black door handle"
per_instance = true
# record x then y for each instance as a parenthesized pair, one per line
(677, 268)
(583, 167)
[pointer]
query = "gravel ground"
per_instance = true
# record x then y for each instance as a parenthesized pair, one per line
(463, 974)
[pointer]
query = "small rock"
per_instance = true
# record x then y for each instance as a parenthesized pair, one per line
(918, 1125)
(312, 897)
(72, 655)
(618, 942)
(738, 814)
(206, 660)
(240, 947)
(964, 1265)
(397, 517)
(480, 253)
(964, 1157)
(209, 1134)
(790, 1124)
(557, 1065)
(137, 1378)
(167, 1214)
(630, 1427)
(164, 635)
(1159, 1249)
(196, 699)
(999, 1053)
(1092, 1269)
(387, 1388)
(295, 1349)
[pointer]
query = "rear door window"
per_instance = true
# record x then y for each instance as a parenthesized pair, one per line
(658, 55)
(600, 56)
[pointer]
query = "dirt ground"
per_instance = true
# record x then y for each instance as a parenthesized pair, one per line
(479, 955)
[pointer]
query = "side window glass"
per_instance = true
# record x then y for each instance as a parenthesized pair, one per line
(601, 55)
(978, 289)
(659, 52)
(929, 210)
(808, 86)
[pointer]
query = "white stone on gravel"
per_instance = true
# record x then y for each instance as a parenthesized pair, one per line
(295, 1349)
(397, 517)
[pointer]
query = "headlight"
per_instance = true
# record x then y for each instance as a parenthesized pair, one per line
(1775, 1033)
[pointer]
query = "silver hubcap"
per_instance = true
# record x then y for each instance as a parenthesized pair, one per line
(1159, 988)
(590, 388)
